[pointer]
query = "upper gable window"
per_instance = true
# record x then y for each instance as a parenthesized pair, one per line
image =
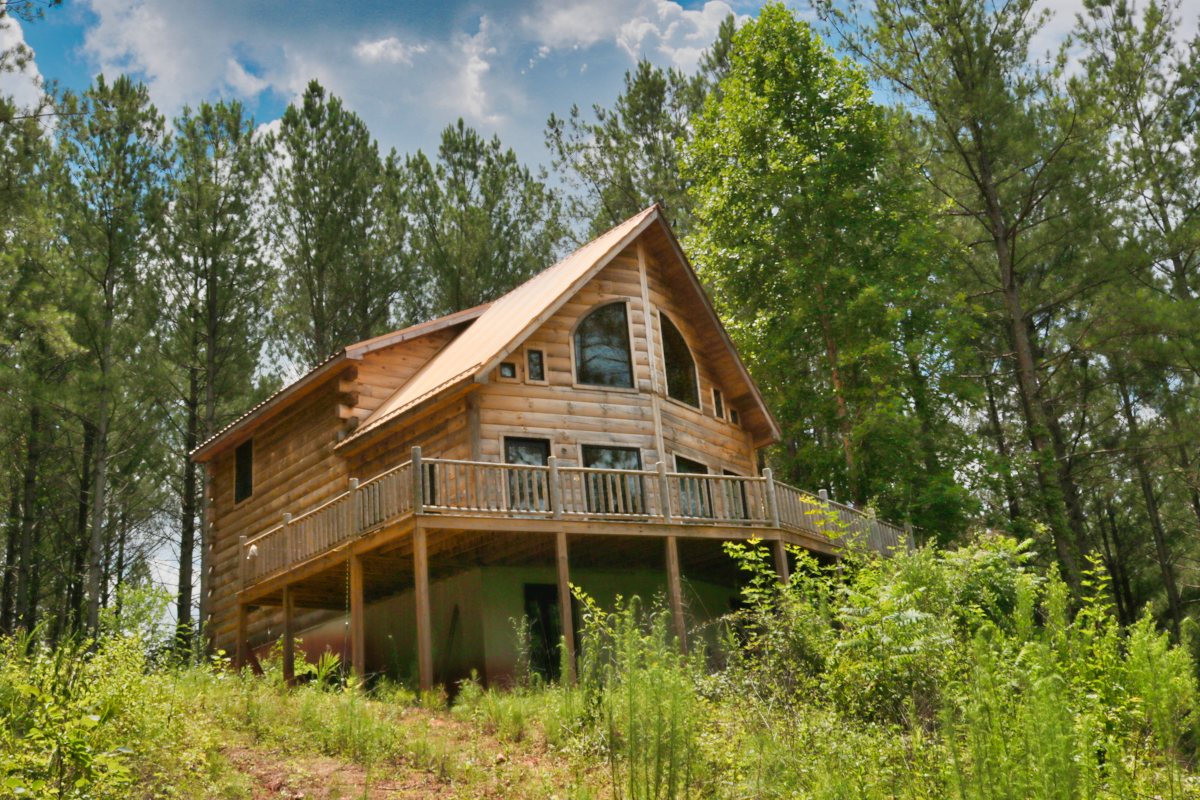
(243, 471)
(602, 356)
(680, 366)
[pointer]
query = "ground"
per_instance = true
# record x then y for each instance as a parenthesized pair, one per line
(461, 760)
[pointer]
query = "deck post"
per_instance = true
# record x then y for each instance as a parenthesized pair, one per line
(781, 561)
(241, 645)
(358, 645)
(675, 591)
(555, 488)
(289, 547)
(664, 491)
(243, 562)
(909, 544)
(352, 509)
(772, 503)
(421, 591)
(418, 482)
(564, 604)
(289, 637)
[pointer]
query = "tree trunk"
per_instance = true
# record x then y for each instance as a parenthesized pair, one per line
(187, 527)
(26, 594)
(1152, 512)
(8, 587)
(95, 570)
(1010, 489)
(1028, 380)
(1122, 556)
(79, 548)
(839, 395)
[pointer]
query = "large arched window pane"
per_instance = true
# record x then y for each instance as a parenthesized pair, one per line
(602, 348)
(681, 368)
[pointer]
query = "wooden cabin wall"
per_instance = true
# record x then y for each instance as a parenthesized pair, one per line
(295, 467)
(698, 434)
(571, 415)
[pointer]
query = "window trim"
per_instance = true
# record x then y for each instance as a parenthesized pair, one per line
(640, 478)
(545, 372)
(239, 500)
(733, 412)
(504, 437)
(720, 410)
(662, 336)
(575, 384)
(500, 376)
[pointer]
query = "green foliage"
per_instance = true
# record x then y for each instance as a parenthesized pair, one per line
(482, 223)
(815, 238)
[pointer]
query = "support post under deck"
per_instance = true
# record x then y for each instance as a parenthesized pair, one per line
(564, 605)
(675, 592)
(289, 637)
(358, 644)
(781, 561)
(421, 590)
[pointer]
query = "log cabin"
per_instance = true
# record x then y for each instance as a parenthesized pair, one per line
(407, 499)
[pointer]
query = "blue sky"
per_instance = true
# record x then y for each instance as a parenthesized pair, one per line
(407, 68)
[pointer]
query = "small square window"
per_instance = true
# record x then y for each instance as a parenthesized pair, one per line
(718, 404)
(508, 370)
(535, 365)
(734, 417)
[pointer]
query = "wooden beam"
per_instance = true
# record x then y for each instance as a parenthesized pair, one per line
(781, 561)
(675, 591)
(242, 646)
(564, 605)
(289, 637)
(358, 649)
(421, 590)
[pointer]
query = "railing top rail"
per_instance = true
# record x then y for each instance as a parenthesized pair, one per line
(646, 472)
(714, 476)
(825, 500)
(337, 498)
(256, 537)
(386, 472)
(464, 463)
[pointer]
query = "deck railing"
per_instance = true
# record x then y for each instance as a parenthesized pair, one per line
(475, 488)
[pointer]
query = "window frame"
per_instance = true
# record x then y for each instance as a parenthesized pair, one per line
(703, 502)
(638, 481)
(545, 379)
(720, 410)
(662, 335)
(735, 416)
(575, 382)
(513, 495)
(238, 497)
(516, 376)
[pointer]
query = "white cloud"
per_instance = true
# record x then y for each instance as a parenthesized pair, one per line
(23, 85)
(476, 50)
(390, 50)
(662, 30)
(242, 81)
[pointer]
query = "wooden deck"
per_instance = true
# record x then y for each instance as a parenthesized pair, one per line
(381, 533)
(470, 495)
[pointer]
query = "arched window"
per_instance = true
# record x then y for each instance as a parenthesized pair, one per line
(680, 366)
(602, 348)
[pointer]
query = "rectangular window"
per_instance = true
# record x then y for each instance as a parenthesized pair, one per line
(527, 489)
(535, 366)
(718, 404)
(613, 494)
(734, 417)
(694, 499)
(243, 467)
(734, 494)
(508, 370)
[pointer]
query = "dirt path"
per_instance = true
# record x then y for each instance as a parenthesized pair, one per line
(459, 761)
